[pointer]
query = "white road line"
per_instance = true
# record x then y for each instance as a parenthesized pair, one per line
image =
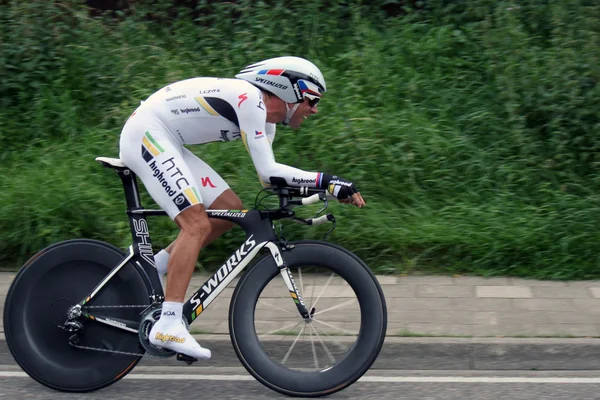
(463, 379)
(365, 379)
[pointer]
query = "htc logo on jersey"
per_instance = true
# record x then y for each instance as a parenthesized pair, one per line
(224, 271)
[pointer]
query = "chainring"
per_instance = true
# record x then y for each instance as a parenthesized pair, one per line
(148, 320)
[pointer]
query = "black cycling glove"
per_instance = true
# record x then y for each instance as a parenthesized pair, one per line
(338, 187)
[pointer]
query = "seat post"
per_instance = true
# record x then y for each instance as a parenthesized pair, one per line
(132, 196)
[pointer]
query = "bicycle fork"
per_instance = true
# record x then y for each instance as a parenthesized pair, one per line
(286, 274)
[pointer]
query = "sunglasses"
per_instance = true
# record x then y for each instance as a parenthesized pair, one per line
(312, 99)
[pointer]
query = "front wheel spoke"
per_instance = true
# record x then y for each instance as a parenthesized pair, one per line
(344, 304)
(322, 291)
(278, 308)
(335, 327)
(293, 325)
(292, 346)
(331, 358)
(314, 350)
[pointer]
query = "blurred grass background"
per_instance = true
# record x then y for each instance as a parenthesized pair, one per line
(471, 127)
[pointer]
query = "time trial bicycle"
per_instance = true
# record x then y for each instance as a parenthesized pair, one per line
(78, 314)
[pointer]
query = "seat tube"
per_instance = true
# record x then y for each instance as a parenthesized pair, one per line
(142, 245)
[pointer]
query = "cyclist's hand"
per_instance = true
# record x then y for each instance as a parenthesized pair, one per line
(345, 191)
(355, 200)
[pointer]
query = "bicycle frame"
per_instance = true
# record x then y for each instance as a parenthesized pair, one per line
(260, 234)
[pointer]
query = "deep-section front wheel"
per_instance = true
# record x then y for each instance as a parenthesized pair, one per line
(46, 287)
(325, 351)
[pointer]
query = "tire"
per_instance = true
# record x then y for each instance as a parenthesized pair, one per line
(256, 356)
(55, 279)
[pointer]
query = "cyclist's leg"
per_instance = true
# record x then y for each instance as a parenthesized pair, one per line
(212, 189)
(170, 331)
(157, 159)
(194, 229)
(215, 192)
(160, 165)
(216, 195)
(228, 200)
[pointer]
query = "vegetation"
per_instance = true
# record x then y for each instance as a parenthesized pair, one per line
(471, 128)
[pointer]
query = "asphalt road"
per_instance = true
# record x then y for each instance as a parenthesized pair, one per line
(406, 369)
(382, 385)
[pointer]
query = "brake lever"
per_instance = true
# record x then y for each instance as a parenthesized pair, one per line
(332, 219)
(323, 197)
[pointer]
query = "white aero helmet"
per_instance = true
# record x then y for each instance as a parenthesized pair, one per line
(288, 78)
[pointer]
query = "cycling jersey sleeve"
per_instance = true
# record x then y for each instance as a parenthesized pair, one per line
(270, 131)
(257, 136)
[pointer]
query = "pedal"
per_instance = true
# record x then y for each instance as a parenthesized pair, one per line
(187, 359)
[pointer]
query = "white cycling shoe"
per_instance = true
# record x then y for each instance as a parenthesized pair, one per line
(170, 333)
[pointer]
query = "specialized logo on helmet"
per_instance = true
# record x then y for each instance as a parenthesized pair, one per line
(271, 83)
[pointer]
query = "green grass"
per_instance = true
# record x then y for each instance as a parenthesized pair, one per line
(470, 128)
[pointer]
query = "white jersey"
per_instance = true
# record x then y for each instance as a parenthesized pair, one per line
(203, 110)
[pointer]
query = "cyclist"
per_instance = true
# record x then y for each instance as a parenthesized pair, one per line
(200, 110)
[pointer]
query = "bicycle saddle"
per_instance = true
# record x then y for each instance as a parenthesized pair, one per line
(111, 162)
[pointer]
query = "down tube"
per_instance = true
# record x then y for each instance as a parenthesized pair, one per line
(202, 298)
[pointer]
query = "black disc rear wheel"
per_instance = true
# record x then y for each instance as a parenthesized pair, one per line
(51, 282)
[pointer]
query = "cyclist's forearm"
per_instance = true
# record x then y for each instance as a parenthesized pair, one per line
(292, 176)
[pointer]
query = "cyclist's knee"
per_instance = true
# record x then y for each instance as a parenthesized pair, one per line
(194, 222)
(228, 200)
(236, 204)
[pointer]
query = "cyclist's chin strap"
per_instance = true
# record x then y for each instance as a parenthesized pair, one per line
(290, 112)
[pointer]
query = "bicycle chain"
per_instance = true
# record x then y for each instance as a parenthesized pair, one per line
(120, 306)
(126, 353)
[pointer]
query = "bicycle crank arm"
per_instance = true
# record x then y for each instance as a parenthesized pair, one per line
(286, 274)
(126, 325)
